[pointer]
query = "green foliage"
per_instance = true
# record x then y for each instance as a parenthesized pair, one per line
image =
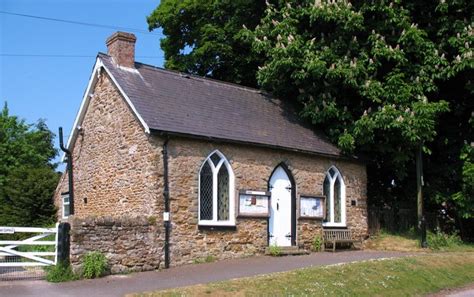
(274, 250)
(61, 272)
(27, 197)
(464, 199)
(94, 265)
(27, 176)
(380, 78)
(362, 71)
(440, 241)
(207, 259)
(204, 37)
(317, 244)
(23, 144)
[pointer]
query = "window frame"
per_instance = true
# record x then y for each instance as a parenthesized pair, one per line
(332, 180)
(63, 197)
(215, 171)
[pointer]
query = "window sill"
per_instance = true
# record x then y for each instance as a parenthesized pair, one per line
(217, 227)
(335, 226)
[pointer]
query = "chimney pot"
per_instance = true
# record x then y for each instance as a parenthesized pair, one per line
(121, 47)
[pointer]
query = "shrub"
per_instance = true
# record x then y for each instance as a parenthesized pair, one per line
(207, 259)
(274, 250)
(94, 265)
(317, 244)
(61, 272)
(440, 240)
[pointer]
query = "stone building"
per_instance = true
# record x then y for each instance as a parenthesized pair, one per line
(170, 168)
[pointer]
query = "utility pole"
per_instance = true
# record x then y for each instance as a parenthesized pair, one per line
(419, 189)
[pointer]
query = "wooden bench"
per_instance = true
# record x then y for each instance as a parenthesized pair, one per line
(339, 236)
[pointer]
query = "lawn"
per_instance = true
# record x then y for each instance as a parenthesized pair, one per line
(407, 276)
(410, 242)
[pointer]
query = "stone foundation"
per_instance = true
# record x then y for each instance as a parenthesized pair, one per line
(129, 243)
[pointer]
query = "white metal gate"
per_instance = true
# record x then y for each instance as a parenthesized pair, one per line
(25, 250)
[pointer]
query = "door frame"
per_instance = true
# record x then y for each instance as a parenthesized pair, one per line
(293, 202)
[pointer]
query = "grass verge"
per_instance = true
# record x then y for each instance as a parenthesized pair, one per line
(392, 277)
(410, 242)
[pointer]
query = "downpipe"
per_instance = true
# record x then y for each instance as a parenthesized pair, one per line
(166, 196)
(69, 171)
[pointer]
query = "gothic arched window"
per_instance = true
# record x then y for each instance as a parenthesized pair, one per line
(335, 191)
(216, 191)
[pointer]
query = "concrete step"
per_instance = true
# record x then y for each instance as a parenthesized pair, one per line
(288, 251)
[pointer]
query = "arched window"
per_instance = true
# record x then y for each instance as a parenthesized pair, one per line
(216, 191)
(335, 191)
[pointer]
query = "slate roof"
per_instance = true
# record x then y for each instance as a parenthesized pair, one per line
(189, 105)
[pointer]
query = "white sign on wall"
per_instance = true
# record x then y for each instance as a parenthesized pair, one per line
(254, 203)
(312, 207)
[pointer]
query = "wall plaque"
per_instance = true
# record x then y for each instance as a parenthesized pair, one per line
(254, 203)
(312, 207)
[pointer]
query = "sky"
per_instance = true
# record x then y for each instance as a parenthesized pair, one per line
(51, 88)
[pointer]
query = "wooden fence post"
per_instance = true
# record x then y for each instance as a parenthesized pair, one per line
(63, 243)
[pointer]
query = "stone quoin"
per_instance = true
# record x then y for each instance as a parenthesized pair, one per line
(217, 140)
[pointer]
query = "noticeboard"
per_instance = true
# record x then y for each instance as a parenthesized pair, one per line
(254, 203)
(312, 206)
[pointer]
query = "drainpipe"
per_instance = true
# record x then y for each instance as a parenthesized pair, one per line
(69, 170)
(166, 196)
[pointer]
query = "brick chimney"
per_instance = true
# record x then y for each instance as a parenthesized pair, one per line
(121, 46)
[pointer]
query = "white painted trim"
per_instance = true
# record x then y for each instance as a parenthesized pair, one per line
(332, 181)
(86, 98)
(64, 204)
(215, 171)
(142, 121)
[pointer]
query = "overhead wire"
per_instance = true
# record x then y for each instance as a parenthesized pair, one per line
(64, 56)
(141, 31)
(75, 23)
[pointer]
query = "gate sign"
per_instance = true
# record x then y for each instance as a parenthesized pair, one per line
(7, 230)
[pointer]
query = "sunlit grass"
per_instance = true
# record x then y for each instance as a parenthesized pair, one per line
(391, 277)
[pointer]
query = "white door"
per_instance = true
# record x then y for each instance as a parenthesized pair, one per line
(280, 212)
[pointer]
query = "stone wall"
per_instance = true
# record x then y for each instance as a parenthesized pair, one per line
(129, 243)
(252, 168)
(117, 166)
(118, 181)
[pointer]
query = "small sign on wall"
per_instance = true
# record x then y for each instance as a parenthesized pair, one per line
(312, 207)
(254, 203)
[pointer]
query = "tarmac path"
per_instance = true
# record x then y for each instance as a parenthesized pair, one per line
(119, 285)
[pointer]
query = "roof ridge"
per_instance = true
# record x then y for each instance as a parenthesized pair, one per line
(198, 77)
